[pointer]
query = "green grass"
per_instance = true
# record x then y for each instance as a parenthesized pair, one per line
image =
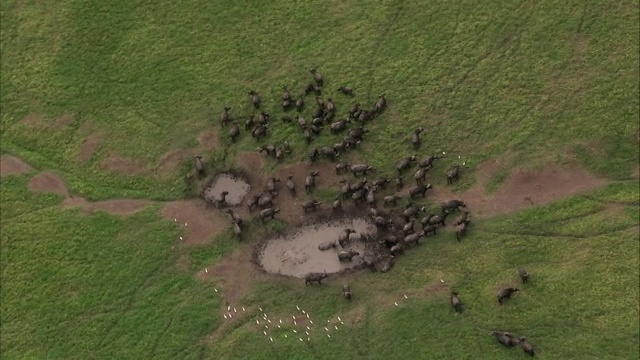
(542, 81)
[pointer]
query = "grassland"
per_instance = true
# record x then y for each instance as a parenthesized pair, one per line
(540, 81)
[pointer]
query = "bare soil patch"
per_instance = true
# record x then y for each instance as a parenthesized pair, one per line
(236, 273)
(12, 165)
(290, 207)
(200, 223)
(172, 159)
(208, 140)
(523, 188)
(89, 147)
(48, 182)
(121, 165)
(252, 162)
(122, 207)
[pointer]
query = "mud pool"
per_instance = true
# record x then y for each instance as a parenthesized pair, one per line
(296, 254)
(236, 186)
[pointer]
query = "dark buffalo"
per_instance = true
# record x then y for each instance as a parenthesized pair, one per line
(268, 213)
(506, 294)
(310, 181)
(327, 245)
(310, 205)
(419, 190)
(453, 204)
(461, 229)
(346, 291)
(255, 99)
(452, 174)
(391, 200)
(291, 186)
(199, 165)
(347, 255)
(346, 90)
(524, 275)
(225, 117)
(526, 346)
(405, 163)
(455, 302)
(360, 169)
(415, 137)
(314, 277)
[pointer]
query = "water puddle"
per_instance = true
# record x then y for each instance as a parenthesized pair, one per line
(297, 253)
(237, 187)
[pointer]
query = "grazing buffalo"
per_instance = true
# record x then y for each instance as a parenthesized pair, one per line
(291, 186)
(316, 76)
(405, 163)
(503, 339)
(344, 236)
(506, 294)
(314, 277)
(413, 238)
(462, 218)
(357, 169)
(453, 204)
(268, 213)
(524, 275)
(225, 117)
(419, 189)
(199, 165)
(526, 346)
(252, 201)
(234, 132)
(346, 291)
(455, 302)
(346, 90)
(255, 99)
(415, 137)
(266, 199)
(388, 264)
(461, 229)
(327, 245)
(347, 255)
(391, 200)
(310, 181)
(310, 205)
(452, 174)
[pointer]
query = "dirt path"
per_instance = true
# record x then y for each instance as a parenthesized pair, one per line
(235, 272)
(523, 188)
(200, 223)
(204, 223)
(52, 183)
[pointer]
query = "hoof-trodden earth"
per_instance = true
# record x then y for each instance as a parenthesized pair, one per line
(296, 253)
